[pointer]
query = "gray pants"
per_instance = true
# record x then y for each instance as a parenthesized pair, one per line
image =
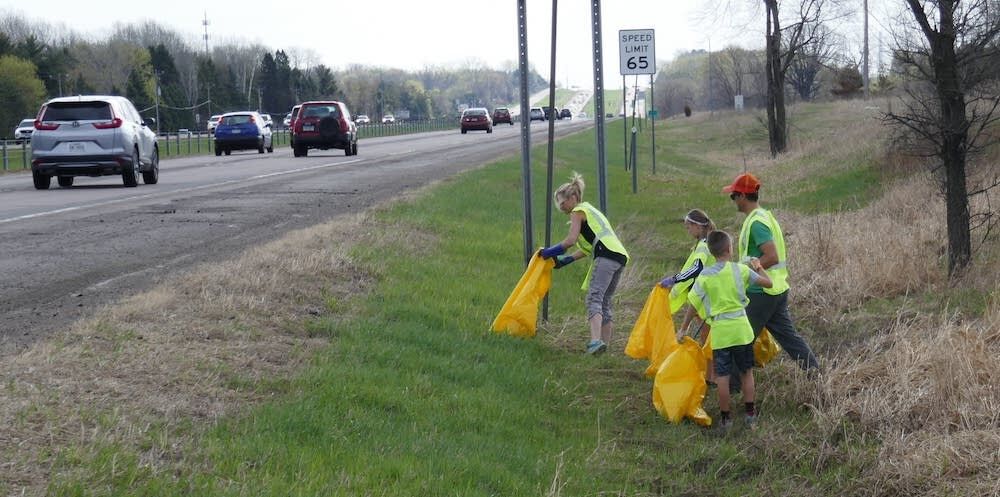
(771, 311)
(603, 282)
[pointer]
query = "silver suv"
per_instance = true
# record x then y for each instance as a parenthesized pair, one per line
(92, 135)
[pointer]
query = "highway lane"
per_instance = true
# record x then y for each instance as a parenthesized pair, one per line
(65, 252)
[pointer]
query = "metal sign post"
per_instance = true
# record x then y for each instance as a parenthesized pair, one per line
(552, 133)
(637, 55)
(522, 36)
(652, 118)
(602, 172)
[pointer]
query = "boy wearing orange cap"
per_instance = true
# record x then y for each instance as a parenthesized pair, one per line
(761, 237)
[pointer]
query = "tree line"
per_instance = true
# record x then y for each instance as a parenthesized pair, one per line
(159, 71)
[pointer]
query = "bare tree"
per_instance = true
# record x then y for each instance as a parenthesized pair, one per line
(951, 108)
(803, 72)
(781, 47)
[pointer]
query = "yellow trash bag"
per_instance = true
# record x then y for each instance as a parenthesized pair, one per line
(765, 348)
(653, 337)
(519, 315)
(679, 387)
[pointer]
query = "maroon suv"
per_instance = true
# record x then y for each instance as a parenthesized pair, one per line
(324, 125)
(502, 115)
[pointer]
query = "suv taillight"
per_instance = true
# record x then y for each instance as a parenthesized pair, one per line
(44, 126)
(114, 123)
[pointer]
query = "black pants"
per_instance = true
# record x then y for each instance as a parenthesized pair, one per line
(771, 311)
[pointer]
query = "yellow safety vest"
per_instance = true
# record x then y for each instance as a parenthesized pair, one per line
(778, 272)
(603, 232)
(719, 295)
(678, 294)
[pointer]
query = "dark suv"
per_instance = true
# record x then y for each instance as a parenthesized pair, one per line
(502, 115)
(324, 125)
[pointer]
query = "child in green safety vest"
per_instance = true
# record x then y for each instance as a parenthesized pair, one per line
(591, 232)
(719, 297)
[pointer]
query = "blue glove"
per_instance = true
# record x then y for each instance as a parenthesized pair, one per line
(548, 253)
(564, 260)
(668, 282)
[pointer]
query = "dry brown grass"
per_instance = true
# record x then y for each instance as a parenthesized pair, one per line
(195, 348)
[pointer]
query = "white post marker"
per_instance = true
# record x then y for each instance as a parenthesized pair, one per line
(637, 50)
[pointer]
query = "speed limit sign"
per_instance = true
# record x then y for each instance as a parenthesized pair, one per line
(637, 48)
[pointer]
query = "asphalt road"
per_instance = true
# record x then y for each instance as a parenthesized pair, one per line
(66, 252)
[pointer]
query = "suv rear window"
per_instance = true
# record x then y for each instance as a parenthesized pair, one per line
(321, 111)
(238, 119)
(77, 111)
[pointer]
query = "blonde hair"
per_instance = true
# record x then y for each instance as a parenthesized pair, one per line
(574, 187)
(697, 216)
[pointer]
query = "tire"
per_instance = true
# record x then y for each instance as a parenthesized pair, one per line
(301, 152)
(489, 130)
(464, 131)
(227, 151)
(218, 151)
(152, 176)
(260, 146)
(42, 181)
(65, 181)
(270, 149)
(347, 149)
(130, 176)
(354, 148)
(295, 152)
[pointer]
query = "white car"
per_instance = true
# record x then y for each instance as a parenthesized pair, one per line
(388, 119)
(24, 129)
(363, 119)
(213, 122)
(267, 119)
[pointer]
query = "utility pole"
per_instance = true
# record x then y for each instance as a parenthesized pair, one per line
(156, 95)
(208, 84)
(864, 57)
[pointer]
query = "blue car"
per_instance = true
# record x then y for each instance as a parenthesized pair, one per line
(245, 130)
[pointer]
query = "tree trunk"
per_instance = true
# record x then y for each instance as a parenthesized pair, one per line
(776, 120)
(953, 143)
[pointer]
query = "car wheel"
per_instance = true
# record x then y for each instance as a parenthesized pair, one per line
(354, 148)
(463, 131)
(270, 149)
(489, 130)
(227, 151)
(303, 151)
(130, 176)
(65, 181)
(260, 146)
(42, 181)
(152, 176)
(218, 151)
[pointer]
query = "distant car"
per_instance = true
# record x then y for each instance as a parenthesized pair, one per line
(324, 125)
(246, 130)
(476, 118)
(267, 119)
(287, 121)
(502, 115)
(363, 119)
(24, 129)
(213, 122)
(565, 114)
(92, 135)
(388, 119)
(291, 123)
(536, 114)
(583, 115)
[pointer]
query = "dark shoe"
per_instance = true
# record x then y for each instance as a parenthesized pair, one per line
(596, 347)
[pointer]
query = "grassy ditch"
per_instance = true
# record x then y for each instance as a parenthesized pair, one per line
(320, 366)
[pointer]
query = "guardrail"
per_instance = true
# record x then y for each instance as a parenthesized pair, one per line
(16, 154)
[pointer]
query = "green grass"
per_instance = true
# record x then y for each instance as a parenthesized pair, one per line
(612, 103)
(415, 397)
(563, 96)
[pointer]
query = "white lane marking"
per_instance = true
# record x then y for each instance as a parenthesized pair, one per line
(401, 153)
(171, 192)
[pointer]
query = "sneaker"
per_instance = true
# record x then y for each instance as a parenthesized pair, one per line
(596, 347)
(751, 421)
(723, 427)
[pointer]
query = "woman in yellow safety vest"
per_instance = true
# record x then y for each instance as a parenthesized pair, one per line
(592, 234)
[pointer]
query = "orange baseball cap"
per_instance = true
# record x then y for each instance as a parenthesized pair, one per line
(744, 183)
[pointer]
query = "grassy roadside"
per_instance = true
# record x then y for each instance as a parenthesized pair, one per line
(412, 396)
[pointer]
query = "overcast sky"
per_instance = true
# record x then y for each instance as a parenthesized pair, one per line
(409, 34)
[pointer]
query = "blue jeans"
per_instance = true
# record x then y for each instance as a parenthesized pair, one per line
(771, 311)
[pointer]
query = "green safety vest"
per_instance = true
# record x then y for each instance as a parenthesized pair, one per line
(678, 294)
(719, 294)
(778, 272)
(603, 232)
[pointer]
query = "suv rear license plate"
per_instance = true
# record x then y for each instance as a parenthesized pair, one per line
(308, 127)
(76, 147)
(236, 131)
